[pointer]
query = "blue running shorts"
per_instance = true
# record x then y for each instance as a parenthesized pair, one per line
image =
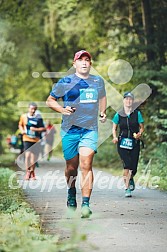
(71, 142)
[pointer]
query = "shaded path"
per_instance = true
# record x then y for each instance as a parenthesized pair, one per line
(117, 224)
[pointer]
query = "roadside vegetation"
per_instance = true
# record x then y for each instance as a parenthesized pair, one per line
(20, 225)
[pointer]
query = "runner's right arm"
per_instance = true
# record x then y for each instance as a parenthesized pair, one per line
(22, 125)
(53, 104)
(114, 132)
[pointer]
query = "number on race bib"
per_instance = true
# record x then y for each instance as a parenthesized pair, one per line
(88, 95)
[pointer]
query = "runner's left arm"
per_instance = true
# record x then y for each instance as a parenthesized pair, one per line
(102, 108)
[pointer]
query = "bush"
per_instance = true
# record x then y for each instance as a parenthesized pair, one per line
(155, 162)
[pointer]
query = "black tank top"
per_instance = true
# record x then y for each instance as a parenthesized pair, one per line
(128, 124)
(32, 122)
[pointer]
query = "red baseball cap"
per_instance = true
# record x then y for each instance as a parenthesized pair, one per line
(80, 53)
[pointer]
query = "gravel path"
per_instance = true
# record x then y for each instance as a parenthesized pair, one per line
(117, 224)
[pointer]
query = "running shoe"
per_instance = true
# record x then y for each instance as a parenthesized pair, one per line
(128, 193)
(85, 210)
(71, 202)
(131, 184)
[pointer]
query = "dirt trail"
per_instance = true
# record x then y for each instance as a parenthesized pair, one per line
(118, 224)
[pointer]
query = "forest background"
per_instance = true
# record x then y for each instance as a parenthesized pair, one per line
(43, 35)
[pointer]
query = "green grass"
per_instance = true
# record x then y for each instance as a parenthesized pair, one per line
(20, 229)
(7, 159)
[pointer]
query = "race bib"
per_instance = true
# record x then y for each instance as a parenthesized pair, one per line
(88, 95)
(31, 133)
(126, 143)
(32, 122)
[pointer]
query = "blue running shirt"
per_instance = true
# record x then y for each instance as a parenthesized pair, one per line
(84, 95)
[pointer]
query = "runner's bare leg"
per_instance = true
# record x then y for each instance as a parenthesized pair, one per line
(127, 175)
(86, 160)
(71, 171)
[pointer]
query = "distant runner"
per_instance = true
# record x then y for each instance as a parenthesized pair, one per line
(31, 126)
(131, 127)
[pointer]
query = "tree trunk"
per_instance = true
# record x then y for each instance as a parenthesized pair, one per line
(148, 29)
(1, 147)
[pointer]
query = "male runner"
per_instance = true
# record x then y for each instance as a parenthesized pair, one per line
(83, 97)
